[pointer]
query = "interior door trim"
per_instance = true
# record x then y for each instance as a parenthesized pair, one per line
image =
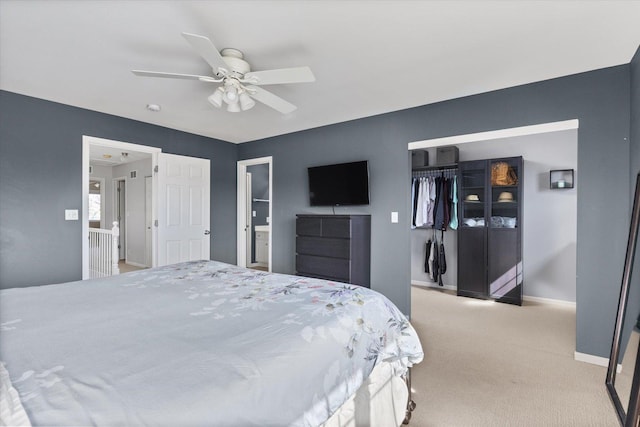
(241, 191)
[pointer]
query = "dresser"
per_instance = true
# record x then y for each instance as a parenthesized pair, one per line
(334, 247)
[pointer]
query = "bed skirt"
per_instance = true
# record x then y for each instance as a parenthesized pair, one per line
(380, 401)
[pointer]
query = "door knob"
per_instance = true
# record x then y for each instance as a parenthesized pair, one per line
(207, 232)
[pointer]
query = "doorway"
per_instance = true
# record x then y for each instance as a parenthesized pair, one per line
(111, 160)
(254, 221)
(170, 183)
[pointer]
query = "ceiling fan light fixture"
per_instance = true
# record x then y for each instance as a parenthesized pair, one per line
(230, 94)
(233, 107)
(216, 98)
(246, 103)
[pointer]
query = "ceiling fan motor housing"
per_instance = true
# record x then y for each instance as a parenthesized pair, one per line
(235, 60)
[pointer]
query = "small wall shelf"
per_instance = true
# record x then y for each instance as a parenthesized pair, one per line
(561, 179)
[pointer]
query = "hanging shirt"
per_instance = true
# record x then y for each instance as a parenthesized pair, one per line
(425, 201)
(419, 210)
(432, 201)
(453, 224)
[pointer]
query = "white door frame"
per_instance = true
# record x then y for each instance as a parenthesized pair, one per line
(241, 245)
(87, 142)
(249, 219)
(116, 203)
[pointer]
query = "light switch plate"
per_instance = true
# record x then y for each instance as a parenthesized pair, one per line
(71, 214)
(253, 213)
(394, 217)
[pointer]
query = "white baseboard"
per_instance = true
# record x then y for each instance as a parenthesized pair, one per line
(549, 301)
(433, 285)
(594, 360)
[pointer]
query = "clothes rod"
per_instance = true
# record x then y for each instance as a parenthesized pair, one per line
(261, 200)
(434, 168)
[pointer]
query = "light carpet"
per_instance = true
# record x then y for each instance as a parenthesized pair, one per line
(493, 364)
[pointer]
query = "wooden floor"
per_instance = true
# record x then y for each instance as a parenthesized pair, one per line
(125, 268)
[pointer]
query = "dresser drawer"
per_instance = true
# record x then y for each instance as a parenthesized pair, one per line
(323, 227)
(323, 246)
(309, 226)
(336, 227)
(321, 266)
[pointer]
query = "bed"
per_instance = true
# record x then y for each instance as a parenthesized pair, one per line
(203, 343)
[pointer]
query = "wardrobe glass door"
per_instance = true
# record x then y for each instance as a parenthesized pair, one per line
(504, 234)
(472, 198)
(472, 231)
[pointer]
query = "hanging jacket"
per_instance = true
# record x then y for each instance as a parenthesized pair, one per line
(446, 204)
(427, 255)
(435, 266)
(439, 208)
(442, 262)
(413, 203)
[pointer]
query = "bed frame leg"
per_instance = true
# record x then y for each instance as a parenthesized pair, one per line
(411, 405)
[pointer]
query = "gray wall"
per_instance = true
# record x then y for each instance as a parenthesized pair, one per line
(373, 139)
(599, 99)
(633, 305)
(41, 176)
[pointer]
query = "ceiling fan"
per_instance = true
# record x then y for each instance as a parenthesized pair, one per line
(239, 86)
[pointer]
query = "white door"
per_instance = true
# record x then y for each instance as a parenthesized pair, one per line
(148, 220)
(183, 208)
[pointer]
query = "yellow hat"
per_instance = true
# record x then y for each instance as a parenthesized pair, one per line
(505, 196)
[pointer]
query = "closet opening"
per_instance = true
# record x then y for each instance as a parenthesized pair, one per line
(548, 217)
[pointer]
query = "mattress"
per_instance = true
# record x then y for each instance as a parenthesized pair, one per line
(198, 343)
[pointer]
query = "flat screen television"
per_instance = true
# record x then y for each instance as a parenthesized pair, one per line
(341, 184)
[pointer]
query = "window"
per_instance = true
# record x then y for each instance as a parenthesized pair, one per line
(94, 207)
(95, 201)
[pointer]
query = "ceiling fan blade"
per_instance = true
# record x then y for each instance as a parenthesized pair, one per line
(281, 76)
(173, 75)
(271, 100)
(208, 51)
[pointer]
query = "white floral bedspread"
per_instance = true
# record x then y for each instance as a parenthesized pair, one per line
(198, 343)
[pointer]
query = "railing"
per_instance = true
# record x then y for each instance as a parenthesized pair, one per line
(103, 251)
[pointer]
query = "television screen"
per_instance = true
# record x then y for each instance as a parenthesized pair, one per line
(339, 185)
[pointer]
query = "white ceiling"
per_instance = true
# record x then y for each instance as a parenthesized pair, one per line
(103, 155)
(369, 57)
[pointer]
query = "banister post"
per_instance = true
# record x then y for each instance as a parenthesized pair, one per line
(115, 253)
